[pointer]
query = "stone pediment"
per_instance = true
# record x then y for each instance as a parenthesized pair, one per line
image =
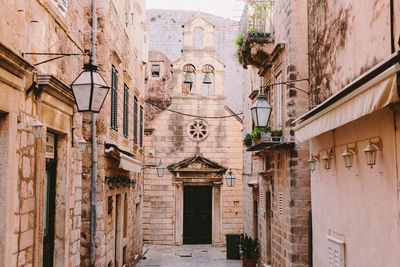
(197, 164)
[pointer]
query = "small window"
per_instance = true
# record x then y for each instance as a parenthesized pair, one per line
(62, 6)
(155, 71)
(335, 252)
(280, 205)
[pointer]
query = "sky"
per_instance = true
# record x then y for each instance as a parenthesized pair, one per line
(231, 9)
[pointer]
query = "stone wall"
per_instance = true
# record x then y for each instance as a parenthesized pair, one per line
(284, 242)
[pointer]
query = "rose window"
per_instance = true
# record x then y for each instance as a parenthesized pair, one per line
(198, 130)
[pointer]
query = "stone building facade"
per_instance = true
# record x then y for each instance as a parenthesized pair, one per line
(45, 182)
(122, 53)
(192, 204)
(275, 177)
(354, 85)
(165, 32)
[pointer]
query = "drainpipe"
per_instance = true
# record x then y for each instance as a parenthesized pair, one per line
(93, 193)
(392, 44)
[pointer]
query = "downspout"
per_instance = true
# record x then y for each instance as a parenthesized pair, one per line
(392, 44)
(93, 192)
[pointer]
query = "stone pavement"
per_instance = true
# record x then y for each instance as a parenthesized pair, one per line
(186, 256)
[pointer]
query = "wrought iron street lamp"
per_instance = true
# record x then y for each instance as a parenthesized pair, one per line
(230, 179)
(371, 151)
(348, 155)
(160, 169)
(89, 89)
(261, 111)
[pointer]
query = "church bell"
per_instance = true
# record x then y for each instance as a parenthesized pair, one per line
(188, 78)
(207, 79)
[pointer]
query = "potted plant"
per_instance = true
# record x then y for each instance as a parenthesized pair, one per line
(250, 249)
(247, 141)
(276, 135)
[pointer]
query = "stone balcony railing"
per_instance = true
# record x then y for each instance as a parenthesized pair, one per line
(270, 142)
(256, 49)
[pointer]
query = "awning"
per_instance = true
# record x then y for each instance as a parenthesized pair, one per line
(129, 164)
(126, 162)
(371, 96)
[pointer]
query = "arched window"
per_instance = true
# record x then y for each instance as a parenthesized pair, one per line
(207, 87)
(189, 79)
(198, 41)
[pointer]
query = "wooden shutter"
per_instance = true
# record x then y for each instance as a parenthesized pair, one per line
(126, 111)
(135, 119)
(114, 98)
(141, 126)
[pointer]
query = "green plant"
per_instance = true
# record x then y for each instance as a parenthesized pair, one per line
(239, 42)
(247, 141)
(250, 247)
(276, 132)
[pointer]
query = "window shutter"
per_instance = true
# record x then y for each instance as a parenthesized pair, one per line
(114, 98)
(135, 120)
(126, 111)
(335, 252)
(280, 205)
(141, 126)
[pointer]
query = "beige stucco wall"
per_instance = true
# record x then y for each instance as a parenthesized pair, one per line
(359, 206)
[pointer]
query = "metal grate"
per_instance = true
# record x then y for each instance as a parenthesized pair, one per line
(280, 204)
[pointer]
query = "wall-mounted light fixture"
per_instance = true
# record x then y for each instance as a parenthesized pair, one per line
(160, 169)
(312, 162)
(371, 149)
(230, 179)
(37, 128)
(348, 156)
(327, 158)
(82, 144)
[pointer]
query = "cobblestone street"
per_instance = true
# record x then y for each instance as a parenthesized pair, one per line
(186, 256)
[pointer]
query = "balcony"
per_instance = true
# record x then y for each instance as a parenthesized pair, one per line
(269, 142)
(256, 41)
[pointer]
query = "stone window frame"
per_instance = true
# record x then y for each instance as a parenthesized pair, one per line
(192, 129)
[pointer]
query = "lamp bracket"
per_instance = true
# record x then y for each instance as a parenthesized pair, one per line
(57, 56)
(377, 142)
(314, 156)
(353, 148)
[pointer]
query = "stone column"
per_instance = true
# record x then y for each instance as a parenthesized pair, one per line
(216, 215)
(198, 83)
(178, 195)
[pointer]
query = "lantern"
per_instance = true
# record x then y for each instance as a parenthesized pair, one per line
(37, 128)
(160, 169)
(82, 144)
(89, 89)
(261, 111)
(312, 162)
(230, 179)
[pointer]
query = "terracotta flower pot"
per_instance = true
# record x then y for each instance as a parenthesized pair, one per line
(244, 261)
(251, 263)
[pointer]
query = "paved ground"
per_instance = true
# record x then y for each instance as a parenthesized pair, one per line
(186, 256)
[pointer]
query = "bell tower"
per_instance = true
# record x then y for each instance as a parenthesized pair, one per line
(198, 71)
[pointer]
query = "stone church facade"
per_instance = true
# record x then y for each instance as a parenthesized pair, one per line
(192, 204)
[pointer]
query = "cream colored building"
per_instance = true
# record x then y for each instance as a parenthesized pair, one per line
(192, 204)
(354, 85)
(45, 192)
